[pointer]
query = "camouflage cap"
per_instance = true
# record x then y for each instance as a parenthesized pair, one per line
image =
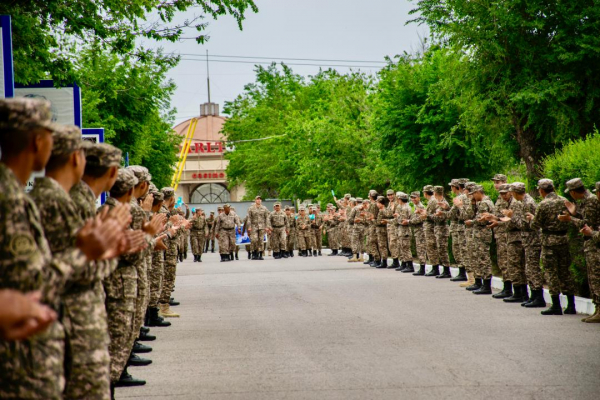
(212, 212)
(66, 140)
(25, 114)
(352, 199)
(158, 196)
(359, 199)
(402, 196)
(219, 208)
(428, 188)
(103, 155)
(227, 206)
(453, 182)
(475, 188)
(141, 173)
(347, 195)
(504, 188)
(499, 177)
(389, 191)
(277, 204)
(517, 187)
(380, 199)
(415, 194)
(152, 188)
(545, 184)
(469, 184)
(292, 208)
(302, 208)
(438, 189)
(126, 180)
(597, 187)
(372, 192)
(258, 197)
(286, 208)
(463, 181)
(168, 192)
(574, 184)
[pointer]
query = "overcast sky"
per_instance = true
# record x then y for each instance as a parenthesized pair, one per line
(307, 29)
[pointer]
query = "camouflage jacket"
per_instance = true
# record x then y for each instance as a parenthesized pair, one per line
(546, 219)
(277, 219)
(227, 221)
(404, 212)
(303, 222)
(257, 217)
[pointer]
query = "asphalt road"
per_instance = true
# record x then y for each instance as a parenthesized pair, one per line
(322, 328)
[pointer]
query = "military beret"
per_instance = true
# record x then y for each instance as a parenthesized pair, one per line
(141, 173)
(103, 155)
(438, 189)
(499, 177)
(415, 194)
(126, 180)
(517, 187)
(168, 192)
(25, 114)
(389, 191)
(597, 187)
(67, 139)
(428, 188)
(574, 184)
(347, 195)
(402, 196)
(475, 188)
(504, 188)
(545, 184)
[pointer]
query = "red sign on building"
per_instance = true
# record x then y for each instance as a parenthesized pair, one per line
(206, 148)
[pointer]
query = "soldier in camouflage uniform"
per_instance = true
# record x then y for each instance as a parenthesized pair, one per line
(392, 228)
(555, 247)
(586, 213)
(441, 231)
(291, 237)
(381, 232)
(210, 238)
(593, 265)
(257, 223)
(402, 216)
(170, 258)
(418, 232)
(501, 236)
(278, 227)
(304, 232)
(225, 226)
(332, 226)
(372, 248)
(33, 368)
(429, 226)
(346, 229)
(467, 212)
(457, 229)
(316, 226)
(359, 223)
(482, 240)
(197, 234)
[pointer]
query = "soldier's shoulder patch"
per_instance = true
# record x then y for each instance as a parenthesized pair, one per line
(21, 245)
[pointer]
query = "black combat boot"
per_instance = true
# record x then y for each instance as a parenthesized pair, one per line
(570, 305)
(462, 275)
(506, 292)
(314, 253)
(369, 261)
(230, 256)
(173, 303)
(435, 271)
(276, 255)
(445, 274)
(112, 391)
(199, 257)
(537, 299)
(555, 308)
(141, 348)
(284, 254)
(376, 263)
(402, 266)
(127, 380)
(137, 361)
(145, 329)
(333, 253)
(421, 271)
(237, 255)
(409, 267)
(320, 253)
(291, 253)
(260, 255)
(146, 337)
(395, 263)
(486, 288)
(383, 263)
(475, 286)
(155, 320)
(517, 296)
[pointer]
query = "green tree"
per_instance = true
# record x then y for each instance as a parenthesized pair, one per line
(535, 61)
(46, 33)
(130, 100)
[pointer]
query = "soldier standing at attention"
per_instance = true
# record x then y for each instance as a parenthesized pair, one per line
(278, 227)
(585, 213)
(501, 236)
(392, 228)
(304, 231)
(429, 226)
(466, 205)
(332, 222)
(402, 216)
(317, 229)
(197, 234)
(257, 223)
(225, 225)
(441, 230)
(210, 239)
(418, 231)
(381, 231)
(357, 220)
(372, 249)
(556, 258)
(457, 231)
(291, 238)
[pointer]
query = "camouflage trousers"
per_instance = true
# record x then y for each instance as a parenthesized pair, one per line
(333, 238)
(382, 247)
(170, 271)
(227, 241)
(420, 243)
(404, 244)
(431, 243)
(458, 243)
(533, 271)
(516, 263)
(291, 240)
(256, 239)
(346, 237)
(358, 238)
(372, 247)
(197, 242)
(33, 368)
(304, 239)
(468, 250)
(393, 242)
(592, 260)
(141, 301)
(317, 239)
(87, 361)
(556, 261)
(209, 241)
(481, 260)
(155, 277)
(278, 239)
(502, 253)
(441, 241)
(186, 240)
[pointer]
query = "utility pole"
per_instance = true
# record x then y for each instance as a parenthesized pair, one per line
(207, 76)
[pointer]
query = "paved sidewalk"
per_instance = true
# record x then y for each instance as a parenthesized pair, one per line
(322, 328)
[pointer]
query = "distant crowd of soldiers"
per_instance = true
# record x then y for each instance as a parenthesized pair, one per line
(81, 286)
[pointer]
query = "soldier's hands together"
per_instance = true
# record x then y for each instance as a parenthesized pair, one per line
(25, 317)
(147, 203)
(98, 237)
(564, 217)
(571, 207)
(155, 225)
(586, 231)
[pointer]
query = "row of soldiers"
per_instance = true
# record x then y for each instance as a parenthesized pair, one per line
(106, 275)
